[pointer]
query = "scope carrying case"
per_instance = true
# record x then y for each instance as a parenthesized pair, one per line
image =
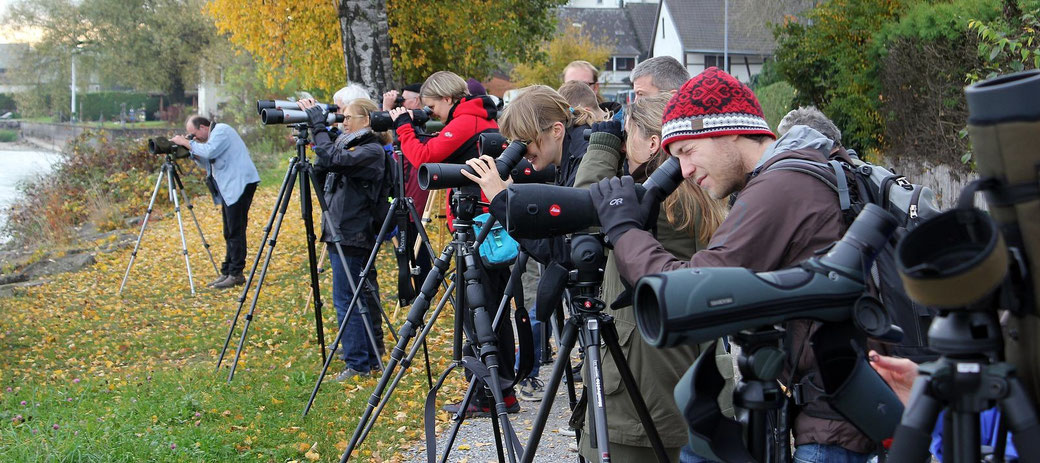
(498, 250)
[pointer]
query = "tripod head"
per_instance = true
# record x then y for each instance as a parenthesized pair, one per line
(466, 204)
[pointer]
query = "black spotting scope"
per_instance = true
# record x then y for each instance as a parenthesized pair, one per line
(695, 305)
(438, 176)
(540, 211)
(162, 145)
(493, 143)
(261, 105)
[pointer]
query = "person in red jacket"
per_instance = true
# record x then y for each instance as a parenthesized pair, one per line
(465, 117)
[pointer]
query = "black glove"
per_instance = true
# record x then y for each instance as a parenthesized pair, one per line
(612, 127)
(403, 120)
(618, 206)
(316, 118)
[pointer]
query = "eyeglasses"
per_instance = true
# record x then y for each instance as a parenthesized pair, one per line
(591, 83)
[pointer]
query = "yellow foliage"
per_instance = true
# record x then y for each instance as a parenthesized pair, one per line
(572, 44)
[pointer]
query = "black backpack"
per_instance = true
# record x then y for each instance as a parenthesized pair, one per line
(910, 204)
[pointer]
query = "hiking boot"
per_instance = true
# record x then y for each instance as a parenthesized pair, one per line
(218, 280)
(230, 281)
(575, 372)
(350, 373)
(531, 389)
(474, 410)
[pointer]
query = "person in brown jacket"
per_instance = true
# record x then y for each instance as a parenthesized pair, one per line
(715, 126)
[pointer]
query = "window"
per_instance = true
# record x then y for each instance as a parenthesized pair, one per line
(624, 64)
(716, 60)
(609, 66)
(662, 28)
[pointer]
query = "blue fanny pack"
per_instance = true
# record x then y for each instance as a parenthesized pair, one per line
(499, 249)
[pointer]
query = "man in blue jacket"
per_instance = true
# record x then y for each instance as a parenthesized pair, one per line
(232, 179)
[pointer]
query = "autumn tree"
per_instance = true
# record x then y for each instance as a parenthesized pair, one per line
(571, 44)
(366, 43)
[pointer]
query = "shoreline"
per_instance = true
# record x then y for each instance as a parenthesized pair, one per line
(28, 144)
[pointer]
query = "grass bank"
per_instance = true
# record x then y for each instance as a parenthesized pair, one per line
(88, 375)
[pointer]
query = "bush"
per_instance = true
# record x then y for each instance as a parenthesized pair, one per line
(7, 136)
(108, 105)
(7, 103)
(99, 179)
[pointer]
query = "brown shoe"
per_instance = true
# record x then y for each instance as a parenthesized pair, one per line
(230, 281)
(215, 282)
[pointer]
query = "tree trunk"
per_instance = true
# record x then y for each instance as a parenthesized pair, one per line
(366, 44)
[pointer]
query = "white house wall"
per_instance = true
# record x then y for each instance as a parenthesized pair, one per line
(737, 67)
(667, 42)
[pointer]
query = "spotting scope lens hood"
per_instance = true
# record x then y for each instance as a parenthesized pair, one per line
(273, 116)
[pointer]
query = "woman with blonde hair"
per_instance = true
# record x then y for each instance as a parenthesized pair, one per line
(687, 220)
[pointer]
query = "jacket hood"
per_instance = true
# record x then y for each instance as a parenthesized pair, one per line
(480, 106)
(802, 140)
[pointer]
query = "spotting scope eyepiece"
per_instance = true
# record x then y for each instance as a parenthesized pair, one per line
(695, 305)
(438, 176)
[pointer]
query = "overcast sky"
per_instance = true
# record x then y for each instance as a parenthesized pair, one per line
(7, 35)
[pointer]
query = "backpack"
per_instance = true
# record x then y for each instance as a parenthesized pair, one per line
(498, 250)
(910, 204)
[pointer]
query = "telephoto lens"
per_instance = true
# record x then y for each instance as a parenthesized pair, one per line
(438, 176)
(271, 116)
(160, 145)
(261, 105)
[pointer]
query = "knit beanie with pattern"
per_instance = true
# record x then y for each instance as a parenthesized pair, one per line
(712, 104)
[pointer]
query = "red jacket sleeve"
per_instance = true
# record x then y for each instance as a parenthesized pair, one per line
(435, 149)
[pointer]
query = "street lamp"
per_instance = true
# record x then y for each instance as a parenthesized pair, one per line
(78, 49)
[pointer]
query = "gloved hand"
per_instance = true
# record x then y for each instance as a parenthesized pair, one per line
(611, 127)
(316, 118)
(618, 206)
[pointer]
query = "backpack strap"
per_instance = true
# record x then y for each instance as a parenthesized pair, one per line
(820, 170)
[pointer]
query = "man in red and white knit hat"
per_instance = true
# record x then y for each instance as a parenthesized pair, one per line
(716, 128)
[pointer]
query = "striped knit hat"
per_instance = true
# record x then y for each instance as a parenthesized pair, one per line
(711, 104)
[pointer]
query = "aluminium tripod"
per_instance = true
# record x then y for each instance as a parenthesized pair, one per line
(401, 210)
(588, 321)
(174, 188)
(299, 168)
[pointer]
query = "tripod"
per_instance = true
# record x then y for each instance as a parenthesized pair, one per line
(299, 168)
(590, 323)
(966, 380)
(175, 188)
(401, 210)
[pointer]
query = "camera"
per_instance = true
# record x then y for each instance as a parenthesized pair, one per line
(539, 211)
(289, 112)
(438, 176)
(161, 145)
(587, 133)
(381, 121)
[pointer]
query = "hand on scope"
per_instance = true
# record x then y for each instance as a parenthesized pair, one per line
(899, 373)
(618, 206)
(388, 99)
(181, 140)
(316, 117)
(612, 127)
(487, 176)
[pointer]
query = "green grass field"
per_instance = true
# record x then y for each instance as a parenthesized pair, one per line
(89, 375)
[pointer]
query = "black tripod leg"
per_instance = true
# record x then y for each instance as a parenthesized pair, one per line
(307, 213)
(267, 263)
(914, 434)
(610, 336)
(562, 363)
(256, 260)
(1020, 414)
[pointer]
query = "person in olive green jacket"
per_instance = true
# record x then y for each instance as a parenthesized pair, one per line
(687, 220)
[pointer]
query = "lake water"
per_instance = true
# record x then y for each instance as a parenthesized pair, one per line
(17, 165)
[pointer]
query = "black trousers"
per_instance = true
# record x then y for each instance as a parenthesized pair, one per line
(236, 218)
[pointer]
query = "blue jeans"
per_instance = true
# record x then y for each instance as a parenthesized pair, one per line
(686, 455)
(819, 453)
(357, 349)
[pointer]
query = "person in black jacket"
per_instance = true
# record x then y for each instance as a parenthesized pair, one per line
(355, 187)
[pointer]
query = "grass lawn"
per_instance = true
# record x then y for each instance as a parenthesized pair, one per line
(89, 375)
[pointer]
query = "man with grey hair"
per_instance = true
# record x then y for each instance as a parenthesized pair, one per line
(812, 117)
(658, 74)
(346, 95)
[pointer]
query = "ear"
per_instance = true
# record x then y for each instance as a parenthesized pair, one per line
(558, 130)
(655, 144)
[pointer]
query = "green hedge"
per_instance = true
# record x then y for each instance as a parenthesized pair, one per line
(107, 104)
(7, 103)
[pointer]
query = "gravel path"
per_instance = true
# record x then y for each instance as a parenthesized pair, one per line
(475, 442)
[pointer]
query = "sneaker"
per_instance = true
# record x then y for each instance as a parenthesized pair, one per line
(474, 410)
(350, 373)
(230, 281)
(531, 389)
(218, 280)
(567, 431)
